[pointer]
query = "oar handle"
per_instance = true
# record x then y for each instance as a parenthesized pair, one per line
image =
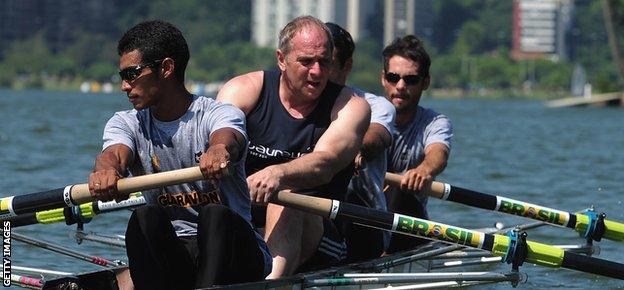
(311, 204)
(435, 189)
(80, 192)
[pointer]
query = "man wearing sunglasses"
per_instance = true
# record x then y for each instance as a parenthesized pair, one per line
(421, 148)
(304, 133)
(191, 235)
(366, 186)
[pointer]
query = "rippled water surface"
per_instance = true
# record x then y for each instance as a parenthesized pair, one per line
(567, 159)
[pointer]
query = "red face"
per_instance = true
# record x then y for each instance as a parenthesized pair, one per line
(306, 66)
(143, 90)
(403, 96)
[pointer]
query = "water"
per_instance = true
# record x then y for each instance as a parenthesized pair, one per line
(568, 159)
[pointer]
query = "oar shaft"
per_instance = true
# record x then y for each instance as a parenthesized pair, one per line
(77, 194)
(539, 254)
(592, 265)
(579, 222)
(64, 251)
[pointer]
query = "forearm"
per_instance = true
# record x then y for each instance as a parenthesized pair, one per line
(434, 162)
(375, 141)
(313, 169)
(232, 140)
(110, 160)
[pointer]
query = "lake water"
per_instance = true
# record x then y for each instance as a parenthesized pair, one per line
(567, 159)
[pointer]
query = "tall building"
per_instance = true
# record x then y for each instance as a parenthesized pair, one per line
(359, 17)
(270, 16)
(403, 17)
(398, 19)
(541, 28)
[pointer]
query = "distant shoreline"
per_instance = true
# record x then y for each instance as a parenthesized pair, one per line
(436, 93)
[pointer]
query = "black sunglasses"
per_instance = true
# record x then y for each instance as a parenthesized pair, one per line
(409, 80)
(132, 72)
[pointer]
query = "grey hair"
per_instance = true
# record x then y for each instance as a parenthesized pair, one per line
(295, 26)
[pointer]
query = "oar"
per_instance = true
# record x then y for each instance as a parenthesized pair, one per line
(117, 241)
(499, 245)
(65, 251)
(84, 212)
(73, 195)
(580, 222)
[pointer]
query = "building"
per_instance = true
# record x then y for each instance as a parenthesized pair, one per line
(541, 28)
(270, 16)
(359, 17)
(403, 17)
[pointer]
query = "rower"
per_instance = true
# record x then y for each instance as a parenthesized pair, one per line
(195, 234)
(304, 133)
(366, 186)
(421, 148)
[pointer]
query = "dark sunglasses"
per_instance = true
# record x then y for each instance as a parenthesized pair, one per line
(132, 72)
(409, 80)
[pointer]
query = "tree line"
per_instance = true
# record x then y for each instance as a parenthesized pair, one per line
(470, 48)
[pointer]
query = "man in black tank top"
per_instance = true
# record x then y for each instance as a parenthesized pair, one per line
(304, 133)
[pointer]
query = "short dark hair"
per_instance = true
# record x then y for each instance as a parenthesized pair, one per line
(156, 40)
(409, 47)
(343, 42)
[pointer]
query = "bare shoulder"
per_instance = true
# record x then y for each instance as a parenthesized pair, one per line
(242, 91)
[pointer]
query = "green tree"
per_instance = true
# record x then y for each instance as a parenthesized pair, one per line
(496, 71)
(448, 71)
(221, 62)
(470, 39)
(202, 22)
(30, 56)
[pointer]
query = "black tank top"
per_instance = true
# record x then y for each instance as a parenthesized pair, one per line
(277, 137)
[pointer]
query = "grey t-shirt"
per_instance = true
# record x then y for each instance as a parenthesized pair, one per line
(408, 147)
(163, 146)
(368, 181)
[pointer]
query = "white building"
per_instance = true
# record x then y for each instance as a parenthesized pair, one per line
(540, 28)
(270, 16)
(403, 17)
(399, 17)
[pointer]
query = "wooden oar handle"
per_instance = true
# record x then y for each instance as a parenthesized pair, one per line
(311, 204)
(80, 192)
(436, 189)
